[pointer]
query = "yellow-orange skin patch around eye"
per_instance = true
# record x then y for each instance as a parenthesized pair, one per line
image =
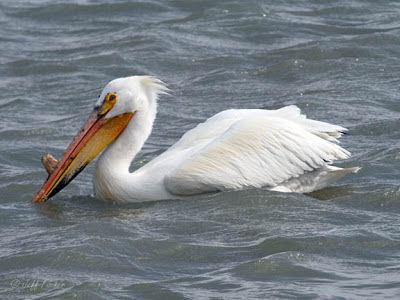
(109, 103)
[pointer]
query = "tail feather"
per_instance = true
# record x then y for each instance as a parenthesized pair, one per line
(314, 180)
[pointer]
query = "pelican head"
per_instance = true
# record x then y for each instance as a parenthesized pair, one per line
(117, 104)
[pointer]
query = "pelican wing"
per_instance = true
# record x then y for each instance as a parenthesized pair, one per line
(257, 148)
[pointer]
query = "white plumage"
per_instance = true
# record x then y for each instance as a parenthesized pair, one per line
(279, 150)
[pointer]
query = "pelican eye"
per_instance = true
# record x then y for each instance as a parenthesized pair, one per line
(111, 98)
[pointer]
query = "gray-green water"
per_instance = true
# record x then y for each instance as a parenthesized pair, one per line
(337, 60)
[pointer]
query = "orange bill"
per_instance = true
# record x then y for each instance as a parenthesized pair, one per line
(96, 134)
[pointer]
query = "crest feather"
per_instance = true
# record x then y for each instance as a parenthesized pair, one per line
(154, 84)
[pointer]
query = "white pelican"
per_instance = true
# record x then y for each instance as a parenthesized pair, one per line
(278, 150)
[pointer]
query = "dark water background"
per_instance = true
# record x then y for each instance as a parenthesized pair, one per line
(337, 60)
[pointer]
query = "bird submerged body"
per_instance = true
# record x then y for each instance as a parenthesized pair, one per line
(206, 160)
(278, 150)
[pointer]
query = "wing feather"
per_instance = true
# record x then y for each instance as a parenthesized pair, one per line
(257, 149)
